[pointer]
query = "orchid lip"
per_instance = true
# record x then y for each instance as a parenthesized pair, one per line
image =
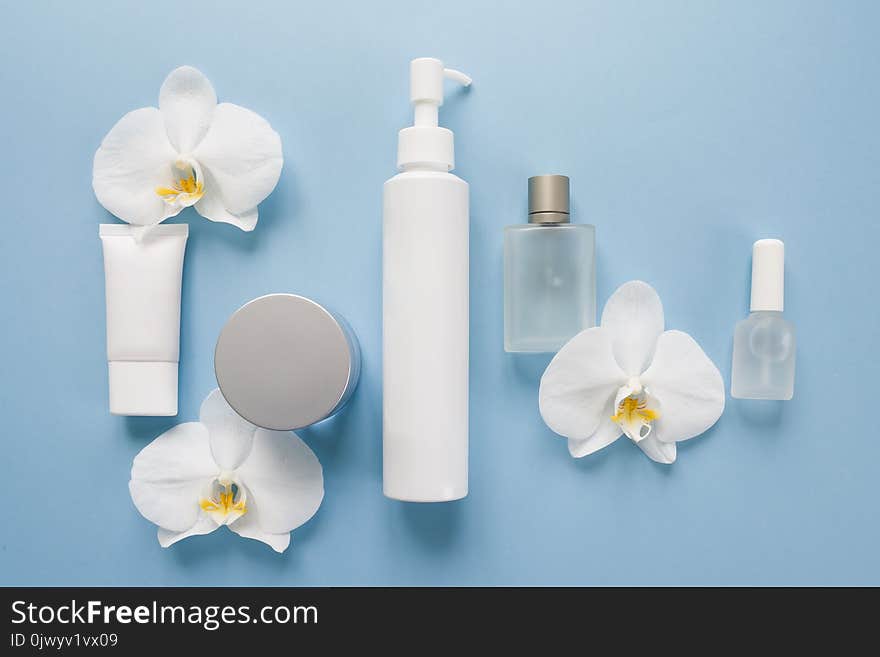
(635, 411)
(188, 186)
(226, 503)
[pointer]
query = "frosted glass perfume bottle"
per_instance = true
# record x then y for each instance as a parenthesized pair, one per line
(549, 272)
(764, 343)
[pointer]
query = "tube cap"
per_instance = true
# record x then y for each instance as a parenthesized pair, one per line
(549, 200)
(143, 387)
(768, 275)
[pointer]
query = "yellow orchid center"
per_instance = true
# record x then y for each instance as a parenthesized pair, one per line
(634, 416)
(187, 188)
(226, 503)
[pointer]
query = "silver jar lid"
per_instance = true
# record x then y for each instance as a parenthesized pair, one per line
(285, 362)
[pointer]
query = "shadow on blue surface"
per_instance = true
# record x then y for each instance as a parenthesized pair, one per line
(145, 429)
(757, 413)
(434, 526)
(529, 367)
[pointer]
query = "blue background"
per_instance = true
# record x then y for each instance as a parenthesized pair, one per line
(689, 129)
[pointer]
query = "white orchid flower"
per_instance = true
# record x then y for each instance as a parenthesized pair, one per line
(223, 470)
(223, 159)
(629, 377)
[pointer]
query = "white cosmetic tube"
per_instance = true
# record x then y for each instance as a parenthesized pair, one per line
(143, 281)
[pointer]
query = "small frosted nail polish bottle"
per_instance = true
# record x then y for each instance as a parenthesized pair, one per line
(549, 272)
(764, 343)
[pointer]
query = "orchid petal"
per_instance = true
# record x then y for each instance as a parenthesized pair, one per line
(142, 233)
(657, 450)
(578, 383)
(231, 436)
(134, 159)
(285, 480)
(688, 385)
(204, 525)
(248, 526)
(169, 474)
(187, 101)
(210, 206)
(633, 316)
(607, 433)
(243, 155)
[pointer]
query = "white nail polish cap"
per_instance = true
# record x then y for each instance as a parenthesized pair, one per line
(768, 275)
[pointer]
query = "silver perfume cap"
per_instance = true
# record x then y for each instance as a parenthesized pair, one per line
(285, 362)
(549, 200)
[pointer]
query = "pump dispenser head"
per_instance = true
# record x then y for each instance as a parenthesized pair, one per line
(425, 143)
(768, 275)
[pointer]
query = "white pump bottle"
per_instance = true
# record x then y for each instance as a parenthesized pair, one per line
(425, 305)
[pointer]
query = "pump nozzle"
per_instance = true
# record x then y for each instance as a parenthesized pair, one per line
(458, 76)
(425, 142)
